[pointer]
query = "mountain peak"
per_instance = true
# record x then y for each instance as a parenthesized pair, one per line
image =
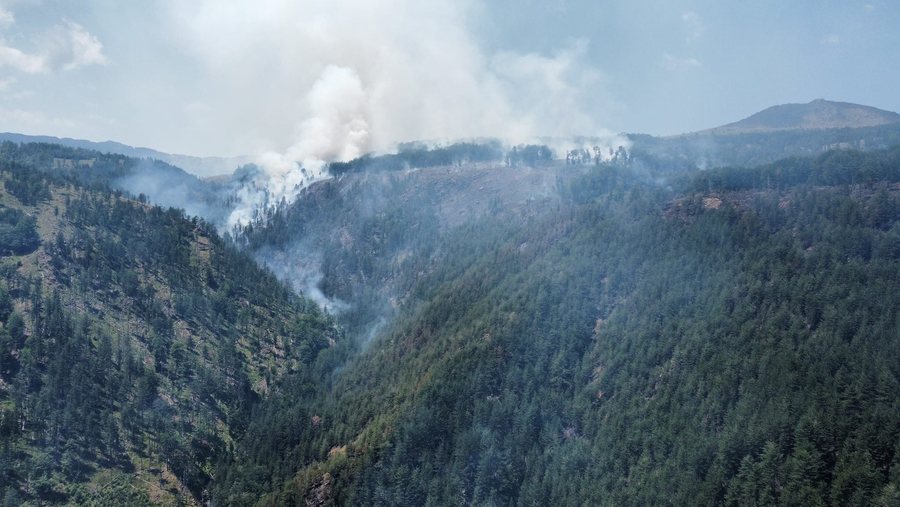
(817, 114)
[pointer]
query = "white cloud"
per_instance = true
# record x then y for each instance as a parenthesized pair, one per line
(675, 63)
(66, 46)
(22, 62)
(830, 40)
(22, 120)
(6, 18)
(10, 94)
(78, 47)
(20, 95)
(693, 24)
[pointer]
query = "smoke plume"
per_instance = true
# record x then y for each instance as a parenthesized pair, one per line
(305, 83)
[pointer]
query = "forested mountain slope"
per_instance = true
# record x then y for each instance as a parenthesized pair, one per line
(728, 337)
(786, 130)
(162, 183)
(618, 333)
(204, 166)
(134, 343)
(709, 149)
(359, 242)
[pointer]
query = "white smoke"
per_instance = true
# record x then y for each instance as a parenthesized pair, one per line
(337, 129)
(603, 146)
(302, 272)
(310, 82)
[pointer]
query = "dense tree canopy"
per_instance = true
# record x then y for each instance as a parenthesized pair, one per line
(629, 335)
(731, 340)
(134, 344)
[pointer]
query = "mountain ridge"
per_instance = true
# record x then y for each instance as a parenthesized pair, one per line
(814, 115)
(200, 166)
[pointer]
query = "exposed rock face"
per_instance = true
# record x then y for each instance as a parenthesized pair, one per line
(320, 492)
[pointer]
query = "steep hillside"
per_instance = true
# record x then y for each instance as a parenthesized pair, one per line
(726, 338)
(201, 166)
(818, 114)
(705, 150)
(160, 182)
(134, 344)
(359, 243)
(536, 333)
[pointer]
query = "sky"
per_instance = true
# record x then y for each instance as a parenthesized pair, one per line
(299, 81)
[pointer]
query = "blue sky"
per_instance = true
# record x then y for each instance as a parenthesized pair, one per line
(677, 66)
(334, 78)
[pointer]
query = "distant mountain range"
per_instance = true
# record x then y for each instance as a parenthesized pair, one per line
(787, 130)
(818, 114)
(201, 166)
(803, 129)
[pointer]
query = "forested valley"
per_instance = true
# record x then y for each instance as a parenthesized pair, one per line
(135, 343)
(489, 333)
(723, 337)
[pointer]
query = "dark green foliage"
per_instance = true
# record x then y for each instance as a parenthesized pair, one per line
(135, 339)
(391, 241)
(28, 186)
(18, 233)
(415, 156)
(728, 337)
(529, 155)
(691, 151)
(421, 157)
(37, 164)
(732, 343)
(830, 169)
